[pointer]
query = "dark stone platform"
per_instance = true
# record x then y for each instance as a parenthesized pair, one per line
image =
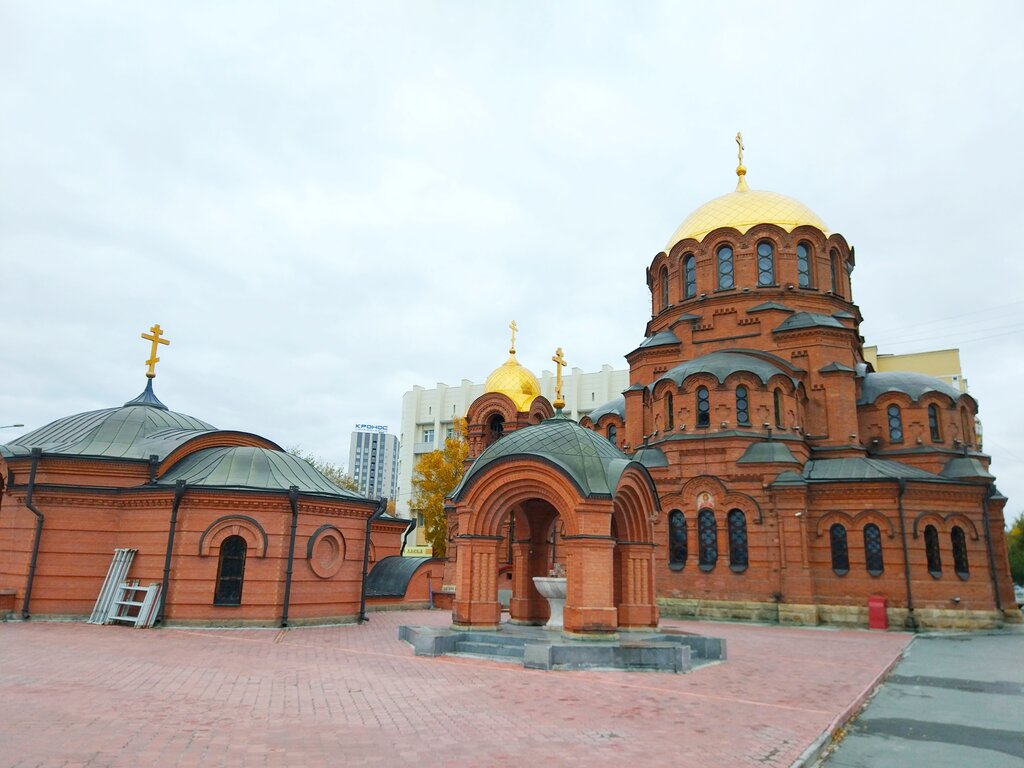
(537, 648)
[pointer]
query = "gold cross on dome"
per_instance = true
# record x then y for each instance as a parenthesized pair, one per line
(155, 337)
(739, 143)
(514, 328)
(559, 362)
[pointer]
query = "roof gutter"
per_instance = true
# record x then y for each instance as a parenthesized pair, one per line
(988, 545)
(382, 507)
(911, 621)
(179, 494)
(36, 455)
(293, 501)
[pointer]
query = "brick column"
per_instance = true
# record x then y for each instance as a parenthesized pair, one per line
(476, 582)
(638, 607)
(527, 605)
(590, 601)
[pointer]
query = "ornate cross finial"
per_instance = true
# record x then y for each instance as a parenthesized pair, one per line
(559, 362)
(514, 328)
(741, 171)
(739, 143)
(154, 336)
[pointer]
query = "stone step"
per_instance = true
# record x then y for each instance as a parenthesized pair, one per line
(504, 651)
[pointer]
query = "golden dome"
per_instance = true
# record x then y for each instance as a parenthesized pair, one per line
(514, 381)
(743, 209)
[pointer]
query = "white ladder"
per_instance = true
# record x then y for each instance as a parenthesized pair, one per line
(115, 575)
(134, 605)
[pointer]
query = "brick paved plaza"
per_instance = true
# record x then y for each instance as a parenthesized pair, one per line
(74, 694)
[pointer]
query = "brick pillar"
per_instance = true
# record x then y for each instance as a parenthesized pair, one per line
(638, 607)
(796, 580)
(527, 605)
(590, 600)
(476, 582)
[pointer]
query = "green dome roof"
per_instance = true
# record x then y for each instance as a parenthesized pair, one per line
(138, 429)
(251, 468)
(592, 463)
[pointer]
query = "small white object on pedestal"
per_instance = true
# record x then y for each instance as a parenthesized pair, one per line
(552, 589)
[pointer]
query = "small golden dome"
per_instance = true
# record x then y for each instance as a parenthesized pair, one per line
(743, 209)
(514, 381)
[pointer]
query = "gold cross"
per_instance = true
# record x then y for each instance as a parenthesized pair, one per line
(514, 327)
(559, 362)
(154, 337)
(739, 142)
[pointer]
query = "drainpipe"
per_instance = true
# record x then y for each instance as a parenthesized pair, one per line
(179, 493)
(988, 545)
(293, 500)
(382, 507)
(36, 454)
(911, 621)
(405, 536)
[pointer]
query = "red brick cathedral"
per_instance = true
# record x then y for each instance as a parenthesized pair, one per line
(756, 467)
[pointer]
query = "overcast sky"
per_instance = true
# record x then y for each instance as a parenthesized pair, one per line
(324, 204)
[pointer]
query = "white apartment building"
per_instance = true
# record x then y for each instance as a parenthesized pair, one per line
(373, 461)
(427, 414)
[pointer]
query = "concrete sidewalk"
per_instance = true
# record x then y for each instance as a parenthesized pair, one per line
(80, 695)
(952, 701)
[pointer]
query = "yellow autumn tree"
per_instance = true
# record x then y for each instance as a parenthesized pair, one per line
(435, 476)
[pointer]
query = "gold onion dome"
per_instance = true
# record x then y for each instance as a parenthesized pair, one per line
(746, 208)
(514, 381)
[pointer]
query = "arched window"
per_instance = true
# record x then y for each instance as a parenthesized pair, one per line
(840, 550)
(613, 433)
(230, 572)
(497, 426)
(738, 559)
(765, 263)
(725, 276)
(931, 551)
(803, 264)
(835, 265)
(703, 407)
(965, 426)
(895, 424)
(663, 279)
(873, 550)
(708, 539)
(933, 423)
(742, 405)
(669, 415)
(960, 552)
(778, 409)
(677, 549)
(690, 275)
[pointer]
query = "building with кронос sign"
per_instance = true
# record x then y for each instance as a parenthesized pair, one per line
(761, 464)
(373, 461)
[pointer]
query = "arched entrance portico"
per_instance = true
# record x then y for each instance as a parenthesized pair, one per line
(556, 475)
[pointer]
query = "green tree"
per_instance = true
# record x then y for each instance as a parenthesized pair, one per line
(435, 476)
(332, 472)
(1015, 546)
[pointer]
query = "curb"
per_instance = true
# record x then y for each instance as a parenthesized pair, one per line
(817, 747)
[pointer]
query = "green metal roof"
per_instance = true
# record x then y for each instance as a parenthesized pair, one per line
(617, 406)
(808, 320)
(965, 468)
(723, 364)
(914, 385)
(391, 575)
(250, 468)
(770, 452)
(592, 463)
(660, 339)
(770, 305)
(859, 468)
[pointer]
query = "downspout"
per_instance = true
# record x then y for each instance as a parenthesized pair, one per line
(382, 507)
(405, 536)
(293, 500)
(988, 546)
(179, 494)
(911, 620)
(36, 454)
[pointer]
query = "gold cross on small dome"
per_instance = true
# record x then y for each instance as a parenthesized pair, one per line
(155, 337)
(514, 327)
(559, 362)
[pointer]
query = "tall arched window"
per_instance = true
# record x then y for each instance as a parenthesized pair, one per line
(669, 415)
(230, 572)
(497, 426)
(613, 433)
(690, 275)
(965, 425)
(960, 552)
(765, 263)
(742, 405)
(708, 539)
(835, 265)
(895, 419)
(738, 559)
(873, 550)
(725, 275)
(778, 409)
(840, 550)
(663, 280)
(677, 549)
(931, 551)
(703, 407)
(933, 423)
(803, 264)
